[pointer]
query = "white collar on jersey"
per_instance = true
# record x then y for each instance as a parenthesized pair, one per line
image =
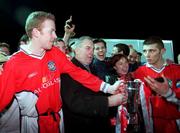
(26, 50)
(156, 69)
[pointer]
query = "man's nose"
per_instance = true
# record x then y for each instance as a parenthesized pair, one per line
(54, 36)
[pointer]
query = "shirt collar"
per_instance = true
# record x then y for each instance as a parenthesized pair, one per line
(25, 49)
(156, 69)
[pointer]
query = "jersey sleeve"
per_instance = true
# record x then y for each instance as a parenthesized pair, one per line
(7, 85)
(176, 85)
(173, 94)
(85, 78)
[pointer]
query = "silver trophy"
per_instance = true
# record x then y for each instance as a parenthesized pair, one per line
(132, 105)
(133, 94)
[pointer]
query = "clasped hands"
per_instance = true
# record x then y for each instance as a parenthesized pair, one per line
(120, 95)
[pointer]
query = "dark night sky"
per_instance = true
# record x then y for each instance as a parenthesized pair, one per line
(122, 20)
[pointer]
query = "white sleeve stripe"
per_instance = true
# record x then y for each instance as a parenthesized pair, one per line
(171, 97)
(169, 93)
(104, 87)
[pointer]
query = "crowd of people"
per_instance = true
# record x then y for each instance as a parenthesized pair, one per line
(50, 85)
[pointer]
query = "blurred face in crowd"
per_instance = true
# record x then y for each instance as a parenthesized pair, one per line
(5, 50)
(100, 51)
(153, 54)
(61, 45)
(138, 59)
(47, 34)
(132, 56)
(122, 66)
(84, 52)
(115, 51)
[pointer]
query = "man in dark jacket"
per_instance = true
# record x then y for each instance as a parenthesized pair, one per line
(84, 110)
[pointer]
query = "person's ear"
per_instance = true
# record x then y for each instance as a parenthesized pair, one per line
(163, 51)
(35, 32)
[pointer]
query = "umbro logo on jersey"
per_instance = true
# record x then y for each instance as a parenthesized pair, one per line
(32, 74)
(51, 66)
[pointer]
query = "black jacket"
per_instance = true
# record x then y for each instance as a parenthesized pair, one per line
(84, 111)
(101, 68)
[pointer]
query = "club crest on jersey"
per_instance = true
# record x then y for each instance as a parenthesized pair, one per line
(51, 66)
(178, 83)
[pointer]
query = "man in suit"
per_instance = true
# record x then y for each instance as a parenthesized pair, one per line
(85, 111)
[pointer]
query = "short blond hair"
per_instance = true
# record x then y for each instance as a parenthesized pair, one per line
(35, 19)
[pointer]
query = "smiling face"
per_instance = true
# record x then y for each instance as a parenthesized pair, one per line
(122, 66)
(100, 51)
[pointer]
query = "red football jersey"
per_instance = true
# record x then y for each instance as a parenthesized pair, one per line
(163, 113)
(35, 81)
